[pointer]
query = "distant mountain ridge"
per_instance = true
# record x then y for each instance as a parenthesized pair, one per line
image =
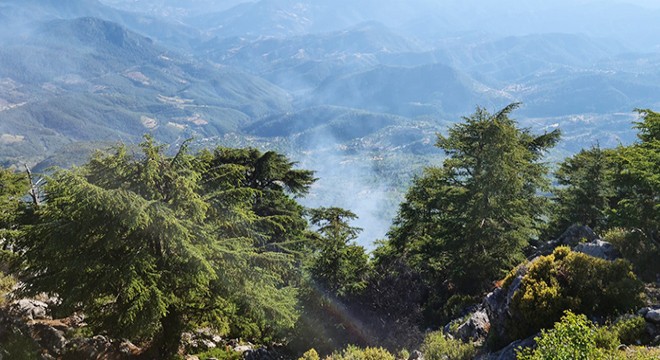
(90, 79)
(365, 84)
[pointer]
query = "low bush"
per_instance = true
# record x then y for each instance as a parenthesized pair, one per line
(7, 283)
(220, 354)
(438, 347)
(567, 280)
(311, 354)
(631, 331)
(638, 249)
(575, 337)
(355, 353)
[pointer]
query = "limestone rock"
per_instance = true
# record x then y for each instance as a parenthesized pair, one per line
(29, 309)
(474, 328)
(497, 305)
(598, 248)
(242, 348)
(653, 316)
(509, 351)
(49, 338)
(577, 234)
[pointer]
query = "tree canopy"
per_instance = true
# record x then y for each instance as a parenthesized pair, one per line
(149, 245)
(465, 223)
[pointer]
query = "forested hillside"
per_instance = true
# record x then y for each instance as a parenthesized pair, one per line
(170, 256)
(377, 80)
(308, 179)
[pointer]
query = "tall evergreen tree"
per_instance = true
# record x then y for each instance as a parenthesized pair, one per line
(273, 182)
(462, 225)
(586, 190)
(336, 275)
(146, 248)
(637, 179)
(339, 267)
(13, 187)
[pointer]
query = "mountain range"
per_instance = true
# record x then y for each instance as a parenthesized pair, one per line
(354, 90)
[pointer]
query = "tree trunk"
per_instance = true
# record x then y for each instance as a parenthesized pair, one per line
(170, 337)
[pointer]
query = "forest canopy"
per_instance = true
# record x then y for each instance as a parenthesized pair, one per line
(150, 244)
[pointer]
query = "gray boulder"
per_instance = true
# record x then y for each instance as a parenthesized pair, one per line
(497, 305)
(49, 338)
(575, 235)
(598, 248)
(475, 328)
(29, 309)
(653, 316)
(572, 237)
(509, 351)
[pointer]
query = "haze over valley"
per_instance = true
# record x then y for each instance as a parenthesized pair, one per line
(355, 90)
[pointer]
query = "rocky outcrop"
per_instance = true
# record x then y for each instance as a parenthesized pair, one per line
(582, 239)
(497, 304)
(509, 351)
(600, 249)
(29, 309)
(200, 340)
(29, 319)
(472, 328)
(651, 315)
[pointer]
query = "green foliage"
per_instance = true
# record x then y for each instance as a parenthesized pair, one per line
(631, 330)
(368, 353)
(403, 354)
(438, 347)
(457, 303)
(639, 353)
(638, 248)
(7, 283)
(574, 281)
(463, 225)
(637, 180)
(220, 354)
(148, 246)
(310, 354)
(573, 338)
(18, 346)
(585, 192)
(263, 182)
(335, 277)
(339, 267)
(13, 187)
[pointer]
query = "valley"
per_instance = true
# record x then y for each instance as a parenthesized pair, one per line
(330, 86)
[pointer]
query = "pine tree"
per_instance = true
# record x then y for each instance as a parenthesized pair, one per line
(637, 180)
(272, 182)
(462, 225)
(13, 187)
(146, 247)
(586, 190)
(339, 267)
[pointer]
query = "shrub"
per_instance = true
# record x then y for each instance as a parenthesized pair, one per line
(574, 338)
(636, 248)
(631, 330)
(437, 347)
(369, 353)
(311, 354)
(639, 353)
(403, 354)
(220, 354)
(567, 280)
(7, 283)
